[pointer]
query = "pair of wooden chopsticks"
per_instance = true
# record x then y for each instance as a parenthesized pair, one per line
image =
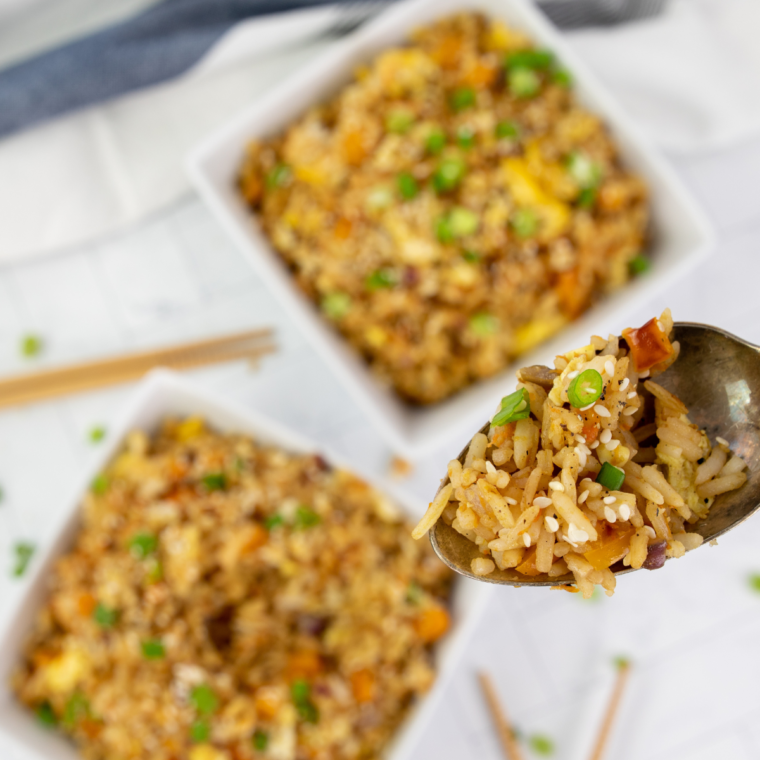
(506, 734)
(38, 386)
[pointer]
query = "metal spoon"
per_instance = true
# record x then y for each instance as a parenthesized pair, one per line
(717, 376)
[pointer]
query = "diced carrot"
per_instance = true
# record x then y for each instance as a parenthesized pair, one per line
(609, 549)
(480, 76)
(363, 685)
(528, 565)
(353, 147)
(267, 703)
(572, 296)
(86, 604)
(449, 52)
(258, 537)
(90, 728)
(504, 433)
(432, 623)
(569, 589)
(590, 431)
(649, 345)
(342, 228)
(304, 664)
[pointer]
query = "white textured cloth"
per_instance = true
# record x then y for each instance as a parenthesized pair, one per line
(690, 77)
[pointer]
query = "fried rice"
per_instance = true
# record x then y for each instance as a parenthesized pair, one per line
(587, 465)
(227, 600)
(450, 208)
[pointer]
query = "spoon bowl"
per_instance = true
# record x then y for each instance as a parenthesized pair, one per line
(717, 376)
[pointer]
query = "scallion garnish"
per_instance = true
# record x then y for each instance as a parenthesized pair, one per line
(529, 59)
(484, 324)
(443, 230)
(306, 518)
(399, 122)
(523, 82)
(461, 98)
(200, 731)
(449, 173)
(273, 521)
(214, 481)
(24, 553)
(466, 137)
(300, 691)
(463, 222)
(279, 176)
(639, 264)
(336, 305)
(153, 650)
(506, 130)
(407, 186)
(586, 198)
(524, 222)
(583, 170)
(97, 434)
(379, 197)
(435, 142)
(46, 715)
(100, 485)
(610, 477)
(142, 545)
(541, 745)
(473, 257)
(563, 78)
(76, 708)
(514, 407)
(105, 617)
(585, 388)
(380, 279)
(203, 698)
(260, 740)
(31, 345)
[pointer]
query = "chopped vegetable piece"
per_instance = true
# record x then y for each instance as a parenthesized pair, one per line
(153, 650)
(466, 137)
(97, 434)
(200, 731)
(529, 59)
(400, 121)
(484, 324)
(414, 593)
(432, 623)
(563, 78)
(336, 305)
(754, 582)
(31, 345)
(379, 198)
(382, 278)
(100, 485)
(77, 707)
(46, 715)
(610, 477)
(280, 176)
(585, 388)
(260, 740)
(583, 170)
(306, 518)
(2, 495)
(435, 142)
(655, 555)
(300, 692)
(105, 617)
(649, 345)
(514, 407)
(214, 481)
(639, 264)
(274, 521)
(462, 98)
(443, 230)
(621, 662)
(586, 198)
(523, 83)
(407, 186)
(449, 174)
(142, 545)
(524, 222)
(541, 745)
(204, 699)
(154, 572)
(506, 130)
(472, 256)
(24, 552)
(605, 553)
(463, 222)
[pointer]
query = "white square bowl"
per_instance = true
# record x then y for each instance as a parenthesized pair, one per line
(160, 395)
(682, 234)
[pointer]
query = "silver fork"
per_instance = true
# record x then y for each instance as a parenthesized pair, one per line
(352, 15)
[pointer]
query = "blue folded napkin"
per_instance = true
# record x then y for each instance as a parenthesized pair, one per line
(167, 39)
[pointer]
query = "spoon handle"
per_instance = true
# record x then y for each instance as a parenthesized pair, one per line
(612, 708)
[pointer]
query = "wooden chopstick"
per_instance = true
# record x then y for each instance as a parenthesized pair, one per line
(506, 736)
(624, 670)
(87, 376)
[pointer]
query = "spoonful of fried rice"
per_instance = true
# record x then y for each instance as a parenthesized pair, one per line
(629, 452)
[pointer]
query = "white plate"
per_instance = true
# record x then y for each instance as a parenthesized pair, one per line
(682, 232)
(165, 394)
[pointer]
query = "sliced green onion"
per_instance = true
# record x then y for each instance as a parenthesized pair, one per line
(443, 230)
(306, 518)
(399, 121)
(382, 278)
(97, 434)
(214, 481)
(379, 197)
(435, 142)
(100, 485)
(105, 617)
(466, 137)
(24, 553)
(462, 98)
(154, 571)
(449, 174)
(621, 662)
(46, 715)
(300, 692)
(587, 198)
(754, 582)
(31, 345)
(279, 176)
(336, 305)
(639, 264)
(506, 130)
(473, 257)
(529, 59)
(463, 222)
(153, 650)
(76, 708)
(484, 324)
(523, 83)
(414, 593)
(583, 170)
(563, 78)
(273, 521)
(524, 222)
(200, 731)
(260, 740)
(142, 545)
(203, 698)
(610, 477)
(514, 407)
(585, 388)
(407, 186)
(541, 745)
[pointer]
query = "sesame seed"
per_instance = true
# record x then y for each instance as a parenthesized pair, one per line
(510, 500)
(586, 480)
(609, 367)
(632, 394)
(612, 445)
(594, 445)
(552, 524)
(573, 375)
(629, 411)
(576, 535)
(722, 441)
(556, 486)
(650, 531)
(526, 539)
(586, 408)
(609, 499)
(578, 437)
(583, 497)
(542, 502)
(609, 515)
(625, 511)
(626, 382)
(606, 436)
(602, 411)
(581, 456)
(490, 467)
(644, 374)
